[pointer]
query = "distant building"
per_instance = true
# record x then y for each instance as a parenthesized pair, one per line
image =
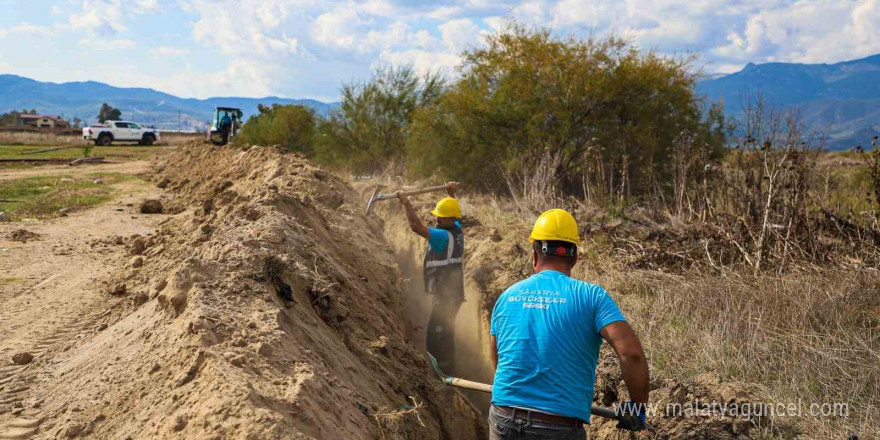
(44, 121)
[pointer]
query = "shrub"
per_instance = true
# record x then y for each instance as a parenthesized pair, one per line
(372, 123)
(611, 112)
(289, 126)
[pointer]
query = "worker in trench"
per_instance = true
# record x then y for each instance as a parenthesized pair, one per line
(443, 275)
(546, 332)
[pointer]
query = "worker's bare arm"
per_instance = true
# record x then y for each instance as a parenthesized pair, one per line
(450, 188)
(632, 358)
(414, 222)
(493, 342)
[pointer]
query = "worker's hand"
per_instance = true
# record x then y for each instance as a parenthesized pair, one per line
(451, 187)
(401, 195)
(632, 416)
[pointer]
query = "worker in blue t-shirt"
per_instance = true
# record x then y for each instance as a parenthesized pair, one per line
(444, 278)
(546, 332)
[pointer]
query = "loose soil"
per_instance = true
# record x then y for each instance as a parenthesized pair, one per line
(176, 325)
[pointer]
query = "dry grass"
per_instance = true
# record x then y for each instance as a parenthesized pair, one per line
(810, 337)
(390, 420)
(813, 336)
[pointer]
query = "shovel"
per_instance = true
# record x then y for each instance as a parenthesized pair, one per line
(595, 410)
(377, 197)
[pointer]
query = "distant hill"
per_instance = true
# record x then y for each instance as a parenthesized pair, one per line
(84, 99)
(843, 98)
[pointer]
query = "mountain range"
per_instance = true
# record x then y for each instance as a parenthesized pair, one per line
(83, 100)
(841, 100)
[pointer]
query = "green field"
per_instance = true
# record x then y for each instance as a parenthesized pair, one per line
(114, 152)
(44, 196)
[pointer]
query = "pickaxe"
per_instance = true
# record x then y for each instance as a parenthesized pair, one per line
(376, 196)
(597, 410)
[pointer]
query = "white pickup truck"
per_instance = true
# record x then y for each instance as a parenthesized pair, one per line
(111, 131)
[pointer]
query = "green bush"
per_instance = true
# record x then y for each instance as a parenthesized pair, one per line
(606, 114)
(370, 128)
(290, 126)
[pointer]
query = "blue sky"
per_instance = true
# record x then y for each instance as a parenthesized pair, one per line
(308, 48)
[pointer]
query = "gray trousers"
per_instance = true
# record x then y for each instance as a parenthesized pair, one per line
(504, 427)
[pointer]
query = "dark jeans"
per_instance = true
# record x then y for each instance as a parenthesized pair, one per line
(441, 328)
(505, 427)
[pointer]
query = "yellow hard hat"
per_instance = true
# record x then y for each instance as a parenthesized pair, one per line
(555, 225)
(447, 207)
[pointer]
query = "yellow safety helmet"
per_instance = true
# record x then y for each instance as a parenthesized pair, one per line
(447, 207)
(555, 225)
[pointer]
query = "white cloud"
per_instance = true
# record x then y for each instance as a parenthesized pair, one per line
(808, 31)
(299, 47)
(423, 61)
(105, 44)
(34, 30)
(336, 28)
(144, 6)
(165, 51)
(459, 34)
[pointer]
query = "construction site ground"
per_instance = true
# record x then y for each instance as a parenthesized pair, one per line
(260, 302)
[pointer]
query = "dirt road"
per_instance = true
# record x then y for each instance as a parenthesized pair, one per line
(51, 296)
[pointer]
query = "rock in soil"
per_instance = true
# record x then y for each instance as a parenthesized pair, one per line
(264, 349)
(22, 235)
(137, 246)
(4, 217)
(22, 358)
(118, 290)
(137, 262)
(151, 206)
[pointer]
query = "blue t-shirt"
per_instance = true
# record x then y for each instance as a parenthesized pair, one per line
(547, 330)
(438, 239)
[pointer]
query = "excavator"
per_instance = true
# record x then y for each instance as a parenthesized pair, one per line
(226, 124)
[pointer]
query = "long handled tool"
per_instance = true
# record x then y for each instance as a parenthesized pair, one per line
(597, 410)
(377, 197)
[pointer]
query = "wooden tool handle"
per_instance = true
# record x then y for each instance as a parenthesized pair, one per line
(461, 383)
(411, 193)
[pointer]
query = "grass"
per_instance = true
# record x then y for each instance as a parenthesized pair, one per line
(114, 152)
(813, 336)
(43, 197)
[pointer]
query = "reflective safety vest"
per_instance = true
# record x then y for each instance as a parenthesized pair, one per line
(444, 271)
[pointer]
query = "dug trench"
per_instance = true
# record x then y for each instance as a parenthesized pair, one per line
(496, 257)
(264, 307)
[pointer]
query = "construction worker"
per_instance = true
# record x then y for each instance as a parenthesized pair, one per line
(225, 122)
(444, 279)
(545, 337)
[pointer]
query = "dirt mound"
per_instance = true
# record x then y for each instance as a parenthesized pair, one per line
(23, 235)
(208, 346)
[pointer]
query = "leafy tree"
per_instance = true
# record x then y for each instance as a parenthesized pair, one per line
(10, 118)
(371, 126)
(606, 114)
(290, 126)
(77, 122)
(108, 113)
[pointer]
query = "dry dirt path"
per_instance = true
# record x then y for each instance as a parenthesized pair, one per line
(51, 295)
